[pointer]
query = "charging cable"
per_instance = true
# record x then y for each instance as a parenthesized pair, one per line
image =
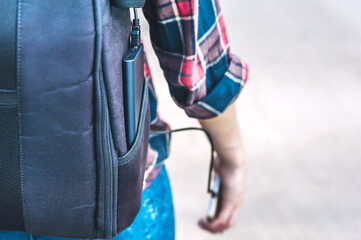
(211, 167)
(135, 35)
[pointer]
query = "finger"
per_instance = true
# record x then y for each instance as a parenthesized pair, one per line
(234, 218)
(222, 222)
(202, 223)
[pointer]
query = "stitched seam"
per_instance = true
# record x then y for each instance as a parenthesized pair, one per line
(130, 157)
(18, 79)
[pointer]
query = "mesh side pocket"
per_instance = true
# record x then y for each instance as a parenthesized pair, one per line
(8, 23)
(11, 217)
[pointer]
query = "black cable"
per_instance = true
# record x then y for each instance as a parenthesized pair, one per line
(154, 133)
(135, 13)
(135, 35)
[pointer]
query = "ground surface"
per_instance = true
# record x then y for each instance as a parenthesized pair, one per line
(301, 119)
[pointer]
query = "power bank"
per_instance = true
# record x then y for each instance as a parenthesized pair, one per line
(133, 85)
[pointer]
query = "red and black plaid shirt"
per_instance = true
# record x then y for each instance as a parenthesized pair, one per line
(204, 78)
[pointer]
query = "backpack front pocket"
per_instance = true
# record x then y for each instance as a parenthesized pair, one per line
(131, 169)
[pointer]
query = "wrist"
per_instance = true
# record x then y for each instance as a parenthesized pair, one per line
(232, 160)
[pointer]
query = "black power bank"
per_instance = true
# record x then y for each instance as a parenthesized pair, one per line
(133, 85)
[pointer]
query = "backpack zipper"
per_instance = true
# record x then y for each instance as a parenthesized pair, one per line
(104, 131)
(108, 165)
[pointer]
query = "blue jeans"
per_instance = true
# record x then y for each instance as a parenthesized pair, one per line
(155, 220)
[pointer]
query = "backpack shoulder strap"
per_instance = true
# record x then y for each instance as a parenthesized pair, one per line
(128, 3)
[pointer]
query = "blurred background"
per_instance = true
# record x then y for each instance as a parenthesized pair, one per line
(301, 120)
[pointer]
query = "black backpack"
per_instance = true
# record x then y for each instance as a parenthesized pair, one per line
(65, 169)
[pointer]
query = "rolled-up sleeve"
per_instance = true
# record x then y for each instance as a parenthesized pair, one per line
(191, 42)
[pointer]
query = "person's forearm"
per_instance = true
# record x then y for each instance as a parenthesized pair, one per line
(230, 166)
(226, 136)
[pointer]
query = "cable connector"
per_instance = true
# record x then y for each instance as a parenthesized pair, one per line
(135, 35)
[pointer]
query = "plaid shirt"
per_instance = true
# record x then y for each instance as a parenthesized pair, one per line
(204, 78)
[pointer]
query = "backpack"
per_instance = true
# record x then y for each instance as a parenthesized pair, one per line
(65, 169)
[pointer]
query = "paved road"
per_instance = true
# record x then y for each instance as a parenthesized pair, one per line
(301, 119)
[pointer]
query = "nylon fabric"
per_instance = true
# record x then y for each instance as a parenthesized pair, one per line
(56, 115)
(115, 34)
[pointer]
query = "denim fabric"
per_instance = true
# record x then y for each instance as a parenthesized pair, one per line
(155, 220)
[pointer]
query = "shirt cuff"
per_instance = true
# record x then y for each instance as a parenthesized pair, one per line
(223, 93)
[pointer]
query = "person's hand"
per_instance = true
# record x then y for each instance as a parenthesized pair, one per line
(232, 196)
